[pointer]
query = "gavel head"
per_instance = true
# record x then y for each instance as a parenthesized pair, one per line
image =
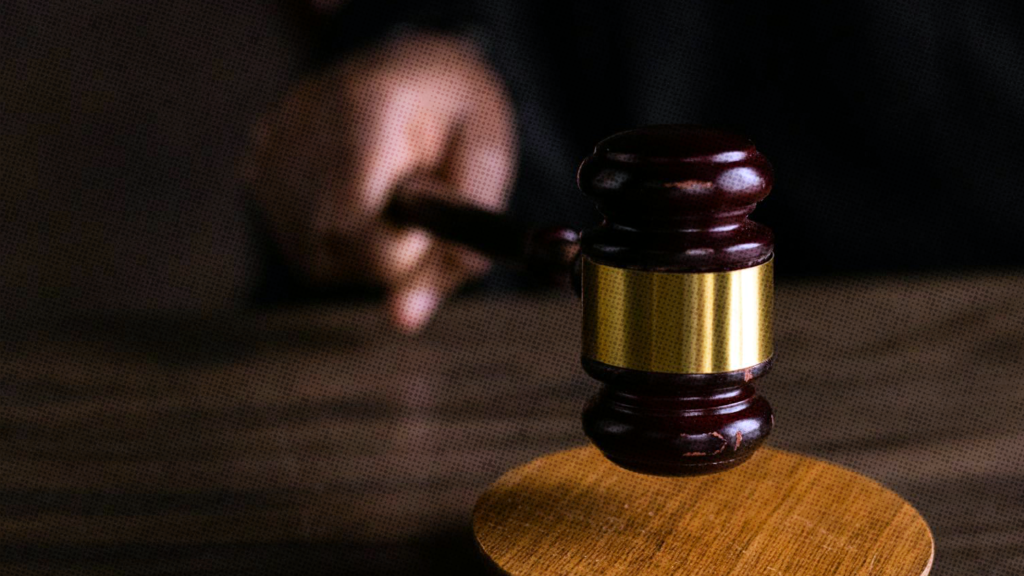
(677, 295)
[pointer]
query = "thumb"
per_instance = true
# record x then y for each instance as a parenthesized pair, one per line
(481, 161)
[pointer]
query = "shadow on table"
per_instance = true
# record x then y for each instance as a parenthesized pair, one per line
(445, 553)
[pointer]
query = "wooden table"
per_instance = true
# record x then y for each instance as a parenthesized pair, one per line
(317, 440)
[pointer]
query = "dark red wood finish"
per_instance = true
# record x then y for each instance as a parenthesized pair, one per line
(676, 199)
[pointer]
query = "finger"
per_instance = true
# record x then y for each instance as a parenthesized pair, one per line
(367, 156)
(414, 300)
(412, 307)
(393, 254)
(376, 150)
(481, 161)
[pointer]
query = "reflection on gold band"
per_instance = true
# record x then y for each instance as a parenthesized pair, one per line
(676, 322)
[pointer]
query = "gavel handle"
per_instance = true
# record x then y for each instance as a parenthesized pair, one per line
(548, 253)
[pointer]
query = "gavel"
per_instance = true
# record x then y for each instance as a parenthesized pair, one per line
(677, 291)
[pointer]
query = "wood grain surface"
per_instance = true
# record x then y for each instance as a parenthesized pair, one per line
(319, 441)
(575, 513)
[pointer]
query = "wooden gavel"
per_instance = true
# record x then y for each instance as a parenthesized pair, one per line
(676, 286)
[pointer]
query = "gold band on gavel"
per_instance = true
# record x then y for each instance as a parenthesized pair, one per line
(677, 322)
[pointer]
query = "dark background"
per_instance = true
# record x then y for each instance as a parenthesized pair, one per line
(896, 128)
(897, 132)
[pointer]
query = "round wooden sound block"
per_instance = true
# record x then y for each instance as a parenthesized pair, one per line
(575, 512)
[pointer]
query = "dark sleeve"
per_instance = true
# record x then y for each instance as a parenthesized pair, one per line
(363, 22)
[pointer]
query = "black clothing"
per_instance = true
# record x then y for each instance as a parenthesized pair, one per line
(896, 129)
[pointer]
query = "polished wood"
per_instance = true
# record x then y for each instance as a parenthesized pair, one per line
(319, 440)
(573, 513)
(676, 199)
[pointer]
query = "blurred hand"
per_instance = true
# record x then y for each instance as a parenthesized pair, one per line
(325, 162)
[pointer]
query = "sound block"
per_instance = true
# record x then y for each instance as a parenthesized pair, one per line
(574, 512)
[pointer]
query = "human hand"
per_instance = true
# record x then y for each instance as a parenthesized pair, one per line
(326, 161)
